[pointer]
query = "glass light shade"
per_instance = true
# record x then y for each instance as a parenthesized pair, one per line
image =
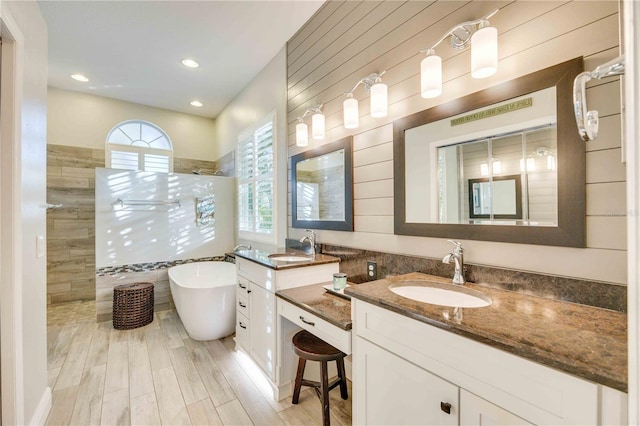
(551, 162)
(484, 169)
(530, 163)
(302, 134)
(497, 167)
(484, 52)
(431, 76)
(317, 126)
(379, 100)
(351, 114)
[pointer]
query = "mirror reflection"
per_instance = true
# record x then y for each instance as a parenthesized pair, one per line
(486, 166)
(322, 187)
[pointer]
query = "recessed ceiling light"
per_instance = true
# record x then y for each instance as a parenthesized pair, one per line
(79, 77)
(197, 104)
(190, 63)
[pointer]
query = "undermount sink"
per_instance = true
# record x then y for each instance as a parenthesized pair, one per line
(289, 257)
(440, 294)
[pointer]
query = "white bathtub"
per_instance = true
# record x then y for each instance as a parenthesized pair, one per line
(205, 297)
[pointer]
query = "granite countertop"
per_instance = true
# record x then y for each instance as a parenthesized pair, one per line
(316, 300)
(587, 342)
(262, 257)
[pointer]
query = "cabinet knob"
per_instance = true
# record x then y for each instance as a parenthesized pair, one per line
(446, 407)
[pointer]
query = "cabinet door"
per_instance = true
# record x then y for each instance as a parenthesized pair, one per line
(393, 391)
(477, 411)
(262, 338)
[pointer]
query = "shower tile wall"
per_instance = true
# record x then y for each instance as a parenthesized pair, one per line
(71, 228)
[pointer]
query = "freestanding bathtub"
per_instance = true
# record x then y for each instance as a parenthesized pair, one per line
(205, 297)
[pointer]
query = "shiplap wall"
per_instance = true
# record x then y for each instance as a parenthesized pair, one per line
(345, 41)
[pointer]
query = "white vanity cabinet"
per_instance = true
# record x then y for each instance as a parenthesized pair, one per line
(256, 316)
(405, 369)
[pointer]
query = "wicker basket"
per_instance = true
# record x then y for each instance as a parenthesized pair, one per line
(132, 305)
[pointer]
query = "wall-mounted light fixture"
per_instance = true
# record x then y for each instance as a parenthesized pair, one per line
(373, 83)
(484, 53)
(317, 126)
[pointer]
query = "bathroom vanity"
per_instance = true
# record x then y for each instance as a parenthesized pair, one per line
(522, 360)
(259, 277)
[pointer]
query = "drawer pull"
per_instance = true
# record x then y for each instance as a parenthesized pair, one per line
(248, 291)
(242, 325)
(242, 286)
(446, 407)
(307, 322)
(242, 305)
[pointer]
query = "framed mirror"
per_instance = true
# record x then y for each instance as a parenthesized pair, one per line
(322, 187)
(503, 164)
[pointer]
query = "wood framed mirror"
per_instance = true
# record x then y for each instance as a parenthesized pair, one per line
(434, 145)
(322, 187)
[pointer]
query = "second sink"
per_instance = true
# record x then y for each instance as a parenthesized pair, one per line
(440, 294)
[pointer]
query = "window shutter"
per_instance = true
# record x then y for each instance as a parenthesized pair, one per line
(127, 160)
(255, 164)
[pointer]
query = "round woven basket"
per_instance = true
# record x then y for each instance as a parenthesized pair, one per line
(132, 305)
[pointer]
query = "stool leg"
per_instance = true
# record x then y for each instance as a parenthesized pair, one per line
(343, 379)
(298, 383)
(324, 389)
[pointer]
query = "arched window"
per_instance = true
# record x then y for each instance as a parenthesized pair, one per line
(139, 145)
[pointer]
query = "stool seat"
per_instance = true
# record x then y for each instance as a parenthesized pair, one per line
(309, 347)
(312, 348)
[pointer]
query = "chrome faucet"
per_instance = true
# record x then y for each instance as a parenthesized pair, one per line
(311, 237)
(458, 258)
(240, 246)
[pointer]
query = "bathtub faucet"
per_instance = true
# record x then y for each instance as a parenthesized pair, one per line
(311, 237)
(240, 246)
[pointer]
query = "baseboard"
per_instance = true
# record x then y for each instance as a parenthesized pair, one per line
(42, 410)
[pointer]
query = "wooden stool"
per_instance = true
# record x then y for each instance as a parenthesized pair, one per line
(309, 347)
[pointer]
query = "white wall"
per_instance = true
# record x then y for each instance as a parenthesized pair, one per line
(139, 234)
(77, 119)
(266, 93)
(32, 167)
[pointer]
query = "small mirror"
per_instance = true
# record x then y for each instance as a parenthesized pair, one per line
(502, 164)
(322, 187)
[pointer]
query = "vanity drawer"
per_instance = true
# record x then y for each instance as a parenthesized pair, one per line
(242, 332)
(328, 332)
(242, 303)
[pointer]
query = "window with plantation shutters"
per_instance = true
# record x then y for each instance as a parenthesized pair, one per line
(255, 164)
(139, 145)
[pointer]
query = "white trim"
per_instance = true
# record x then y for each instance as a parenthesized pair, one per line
(11, 364)
(631, 81)
(42, 410)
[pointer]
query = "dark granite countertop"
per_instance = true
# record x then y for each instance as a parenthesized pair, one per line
(262, 257)
(316, 300)
(587, 342)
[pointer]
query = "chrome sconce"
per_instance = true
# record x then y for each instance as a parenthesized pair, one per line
(317, 126)
(484, 53)
(588, 120)
(372, 83)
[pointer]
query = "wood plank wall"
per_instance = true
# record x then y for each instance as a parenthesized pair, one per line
(345, 41)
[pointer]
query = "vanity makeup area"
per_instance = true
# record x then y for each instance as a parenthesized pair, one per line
(503, 164)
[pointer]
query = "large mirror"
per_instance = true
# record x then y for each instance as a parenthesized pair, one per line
(322, 187)
(502, 164)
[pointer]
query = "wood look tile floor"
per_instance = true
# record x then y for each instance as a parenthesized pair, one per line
(157, 375)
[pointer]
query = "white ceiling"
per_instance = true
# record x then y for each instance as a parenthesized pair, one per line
(131, 50)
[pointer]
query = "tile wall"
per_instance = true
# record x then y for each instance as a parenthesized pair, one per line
(71, 273)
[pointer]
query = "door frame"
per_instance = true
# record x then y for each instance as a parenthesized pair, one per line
(11, 327)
